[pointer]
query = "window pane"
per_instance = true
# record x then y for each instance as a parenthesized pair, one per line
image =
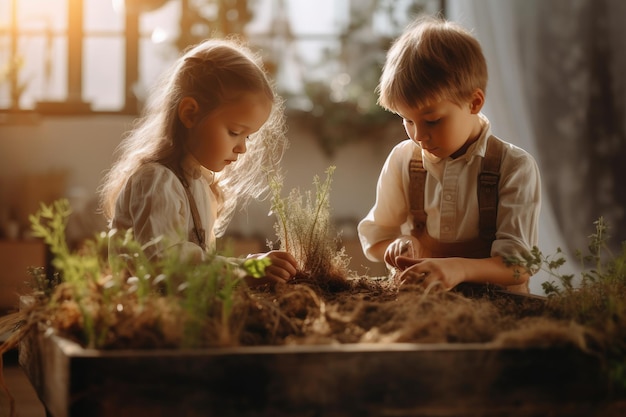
(103, 73)
(99, 16)
(164, 21)
(53, 67)
(317, 17)
(5, 14)
(159, 30)
(42, 15)
(5, 59)
(42, 71)
(154, 59)
(320, 17)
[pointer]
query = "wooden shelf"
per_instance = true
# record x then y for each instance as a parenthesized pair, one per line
(16, 256)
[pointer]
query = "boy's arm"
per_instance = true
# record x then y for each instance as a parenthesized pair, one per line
(383, 223)
(377, 250)
(452, 271)
(518, 206)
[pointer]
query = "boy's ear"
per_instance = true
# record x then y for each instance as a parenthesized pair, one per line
(478, 101)
(188, 110)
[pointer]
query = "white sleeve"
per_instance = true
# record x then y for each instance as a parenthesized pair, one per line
(519, 205)
(390, 211)
(154, 204)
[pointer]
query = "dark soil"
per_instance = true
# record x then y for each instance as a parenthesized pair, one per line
(376, 310)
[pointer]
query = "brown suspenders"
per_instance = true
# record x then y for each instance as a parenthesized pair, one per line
(417, 185)
(197, 223)
(488, 180)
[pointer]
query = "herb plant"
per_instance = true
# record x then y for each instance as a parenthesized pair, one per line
(596, 300)
(109, 293)
(304, 229)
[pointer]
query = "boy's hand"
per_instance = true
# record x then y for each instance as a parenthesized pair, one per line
(447, 271)
(403, 246)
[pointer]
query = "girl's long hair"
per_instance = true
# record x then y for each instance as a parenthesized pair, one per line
(211, 72)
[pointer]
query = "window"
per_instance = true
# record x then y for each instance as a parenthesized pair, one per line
(80, 56)
(85, 56)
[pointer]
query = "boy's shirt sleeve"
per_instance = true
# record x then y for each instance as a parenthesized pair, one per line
(390, 211)
(519, 204)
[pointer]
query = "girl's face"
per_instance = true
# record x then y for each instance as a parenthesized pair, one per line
(445, 128)
(218, 138)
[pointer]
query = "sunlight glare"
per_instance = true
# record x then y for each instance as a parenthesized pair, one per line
(159, 35)
(118, 6)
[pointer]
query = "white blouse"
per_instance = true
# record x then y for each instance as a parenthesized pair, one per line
(154, 204)
(451, 199)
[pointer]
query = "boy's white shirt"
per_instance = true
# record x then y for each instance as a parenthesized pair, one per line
(451, 199)
(154, 203)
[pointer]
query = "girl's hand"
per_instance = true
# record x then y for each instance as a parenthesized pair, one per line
(403, 246)
(283, 267)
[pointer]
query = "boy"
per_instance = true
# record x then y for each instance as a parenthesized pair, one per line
(452, 201)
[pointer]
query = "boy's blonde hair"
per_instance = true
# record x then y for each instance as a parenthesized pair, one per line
(432, 60)
(213, 72)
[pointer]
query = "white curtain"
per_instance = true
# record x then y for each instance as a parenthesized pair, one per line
(495, 24)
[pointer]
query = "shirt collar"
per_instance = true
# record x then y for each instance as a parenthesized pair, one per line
(477, 148)
(194, 170)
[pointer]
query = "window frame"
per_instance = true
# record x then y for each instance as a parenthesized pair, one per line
(75, 37)
(74, 103)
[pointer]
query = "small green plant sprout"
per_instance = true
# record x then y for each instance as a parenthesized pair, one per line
(598, 253)
(535, 260)
(304, 229)
(256, 267)
(599, 257)
(49, 223)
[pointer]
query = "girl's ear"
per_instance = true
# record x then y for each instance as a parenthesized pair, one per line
(477, 102)
(188, 110)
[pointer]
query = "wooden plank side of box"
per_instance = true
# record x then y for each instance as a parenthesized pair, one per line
(328, 380)
(47, 366)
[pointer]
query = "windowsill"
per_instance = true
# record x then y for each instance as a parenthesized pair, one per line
(19, 117)
(26, 117)
(30, 117)
(63, 107)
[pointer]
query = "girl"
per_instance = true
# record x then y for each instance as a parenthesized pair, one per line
(211, 131)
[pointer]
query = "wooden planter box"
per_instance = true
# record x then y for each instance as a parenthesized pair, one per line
(322, 380)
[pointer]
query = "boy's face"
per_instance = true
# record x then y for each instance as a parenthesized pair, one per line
(445, 128)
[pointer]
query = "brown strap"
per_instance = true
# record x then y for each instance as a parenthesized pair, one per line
(488, 181)
(197, 223)
(195, 215)
(417, 184)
